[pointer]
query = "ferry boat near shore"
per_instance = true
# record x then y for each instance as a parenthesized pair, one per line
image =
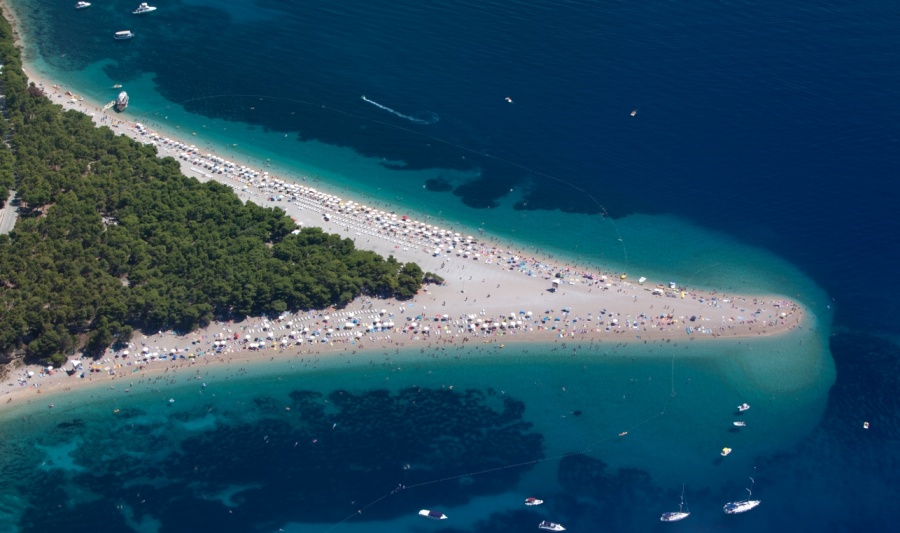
(122, 101)
(143, 8)
(124, 34)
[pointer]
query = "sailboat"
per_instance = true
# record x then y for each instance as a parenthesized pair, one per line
(681, 514)
(744, 505)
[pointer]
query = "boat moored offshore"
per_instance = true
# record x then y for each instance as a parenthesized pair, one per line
(675, 516)
(82, 5)
(124, 34)
(143, 8)
(744, 505)
(434, 515)
(550, 526)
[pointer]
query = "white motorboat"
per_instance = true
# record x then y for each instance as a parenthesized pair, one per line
(740, 423)
(143, 8)
(434, 515)
(122, 101)
(124, 34)
(673, 516)
(725, 452)
(533, 501)
(743, 407)
(82, 5)
(550, 526)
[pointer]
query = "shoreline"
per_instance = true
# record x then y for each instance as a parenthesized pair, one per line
(512, 295)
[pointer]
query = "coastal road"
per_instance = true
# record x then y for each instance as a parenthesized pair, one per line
(8, 215)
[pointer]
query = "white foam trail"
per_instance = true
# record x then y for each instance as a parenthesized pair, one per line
(433, 116)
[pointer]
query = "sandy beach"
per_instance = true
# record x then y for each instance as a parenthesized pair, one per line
(494, 293)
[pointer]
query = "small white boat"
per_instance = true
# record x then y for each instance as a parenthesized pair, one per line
(674, 516)
(633, 112)
(143, 8)
(82, 5)
(124, 34)
(508, 99)
(740, 423)
(744, 505)
(434, 515)
(117, 86)
(725, 451)
(533, 501)
(550, 526)
(743, 407)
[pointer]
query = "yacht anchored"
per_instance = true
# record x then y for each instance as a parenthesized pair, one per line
(143, 8)
(744, 505)
(533, 501)
(82, 5)
(124, 34)
(550, 526)
(435, 515)
(122, 101)
(673, 516)
(740, 507)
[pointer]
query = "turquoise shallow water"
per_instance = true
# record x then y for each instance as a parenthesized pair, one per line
(675, 401)
(729, 174)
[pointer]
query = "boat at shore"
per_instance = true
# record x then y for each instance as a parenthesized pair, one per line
(434, 515)
(124, 34)
(143, 8)
(675, 516)
(82, 5)
(122, 101)
(533, 501)
(550, 526)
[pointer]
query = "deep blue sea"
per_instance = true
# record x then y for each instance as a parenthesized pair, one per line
(741, 145)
